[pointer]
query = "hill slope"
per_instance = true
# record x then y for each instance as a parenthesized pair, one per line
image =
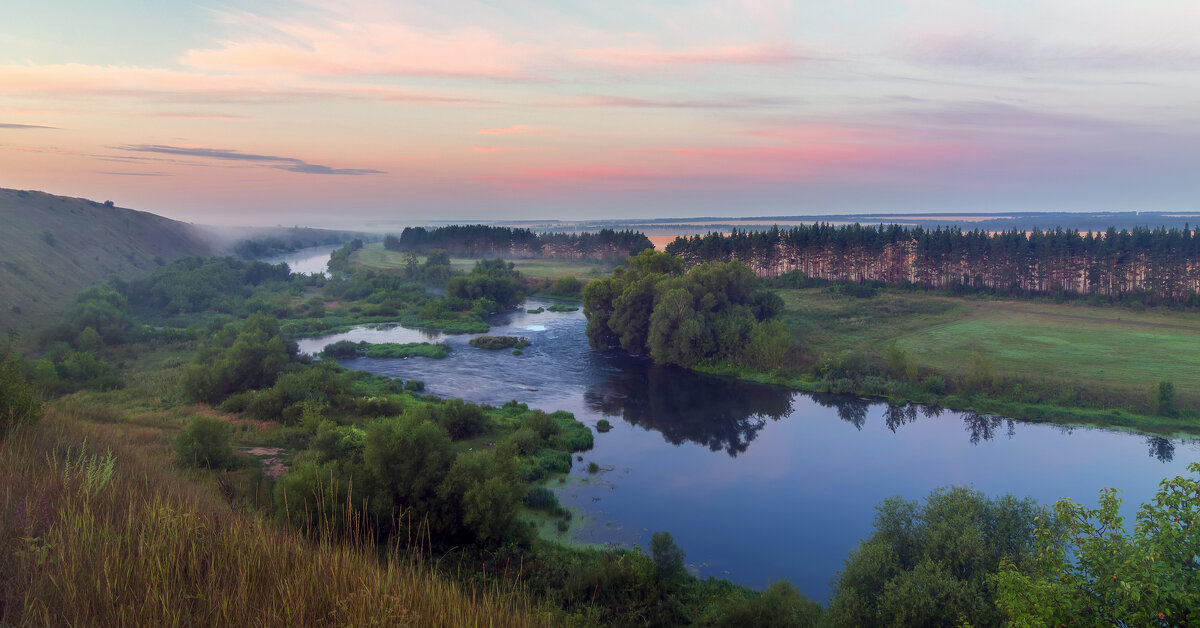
(51, 247)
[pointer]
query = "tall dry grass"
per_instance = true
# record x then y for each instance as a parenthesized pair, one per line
(92, 532)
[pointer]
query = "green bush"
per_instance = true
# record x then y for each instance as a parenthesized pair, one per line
(935, 384)
(19, 402)
(205, 443)
(541, 498)
(494, 343)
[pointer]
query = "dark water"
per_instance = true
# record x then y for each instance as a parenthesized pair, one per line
(755, 482)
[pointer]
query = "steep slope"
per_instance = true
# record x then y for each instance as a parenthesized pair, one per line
(51, 247)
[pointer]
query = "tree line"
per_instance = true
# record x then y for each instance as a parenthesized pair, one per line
(1155, 264)
(486, 240)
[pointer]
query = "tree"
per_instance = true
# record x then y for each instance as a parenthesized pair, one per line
(19, 402)
(1165, 399)
(408, 457)
(205, 443)
(769, 344)
(1089, 571)
(668, 560)
(676, 331)
(930, 565)
(484, 489)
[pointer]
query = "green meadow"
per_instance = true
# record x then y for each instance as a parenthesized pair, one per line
(376, 257)
(1105, 353)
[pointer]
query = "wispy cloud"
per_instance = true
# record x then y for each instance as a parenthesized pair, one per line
(11, 125)
(133, 174)
(291, 164)
(346, 47)
(656, 56)
(182, 88)
(713, 102)
(1001, 51)
(520, 129)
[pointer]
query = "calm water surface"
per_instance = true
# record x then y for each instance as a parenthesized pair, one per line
(308, 260)
(758, 483)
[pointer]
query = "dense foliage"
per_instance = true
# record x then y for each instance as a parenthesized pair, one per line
(499, 342)
(1150, 264)
(485, 240)
(19, 402)
(1089, 570)
(713, 312)
(350, 349)
(931, 565)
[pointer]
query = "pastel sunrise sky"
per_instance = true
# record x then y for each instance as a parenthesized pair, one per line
(327, 113)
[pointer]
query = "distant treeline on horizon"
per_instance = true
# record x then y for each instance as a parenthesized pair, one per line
(1155, 264)
(485, 240)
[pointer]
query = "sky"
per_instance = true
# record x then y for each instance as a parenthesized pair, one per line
(335, 113)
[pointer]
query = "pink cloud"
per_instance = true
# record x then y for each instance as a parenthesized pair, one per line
(655, 56)
(520, 129)
(363, 48)
(174, 86)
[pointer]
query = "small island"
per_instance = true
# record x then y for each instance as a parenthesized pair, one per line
(350, 349)
(495, 343)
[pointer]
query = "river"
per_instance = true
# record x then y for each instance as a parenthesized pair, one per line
(758, 483)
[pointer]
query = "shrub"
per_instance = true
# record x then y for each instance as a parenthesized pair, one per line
(205, 443)
(593, 467)
(541, 498)
(499, 342)
(19, 402)
(935, 384)
(603, 425)
(1165, 398)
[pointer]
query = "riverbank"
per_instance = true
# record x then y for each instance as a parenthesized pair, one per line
(1112, 418)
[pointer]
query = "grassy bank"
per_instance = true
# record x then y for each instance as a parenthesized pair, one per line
(376, 257)
(1039, 360)
(97, 531)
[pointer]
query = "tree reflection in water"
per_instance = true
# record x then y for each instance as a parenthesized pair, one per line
(719, 413)
(1161, 448)
(726, 414)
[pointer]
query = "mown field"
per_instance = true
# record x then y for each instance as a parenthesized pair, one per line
(375, 256)
(1071, 345)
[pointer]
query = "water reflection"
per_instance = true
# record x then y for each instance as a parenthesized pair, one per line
(718, 413)
(1161, 448)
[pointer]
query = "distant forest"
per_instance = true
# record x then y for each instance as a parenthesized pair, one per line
(1150, 264)
(488, 241)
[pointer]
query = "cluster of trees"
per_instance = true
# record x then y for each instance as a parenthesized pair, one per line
(1157, 264)
(492, 279)
(713, 312)
(195, 284)
(339, 260)
(486, 241)
(962, 558)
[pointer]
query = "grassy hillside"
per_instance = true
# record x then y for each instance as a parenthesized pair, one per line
(51, 247)
(96, 530)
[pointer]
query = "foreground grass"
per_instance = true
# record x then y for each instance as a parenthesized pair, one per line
(1108, 354)
(94, 532)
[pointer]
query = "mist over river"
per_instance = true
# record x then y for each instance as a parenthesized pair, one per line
(758, 483)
